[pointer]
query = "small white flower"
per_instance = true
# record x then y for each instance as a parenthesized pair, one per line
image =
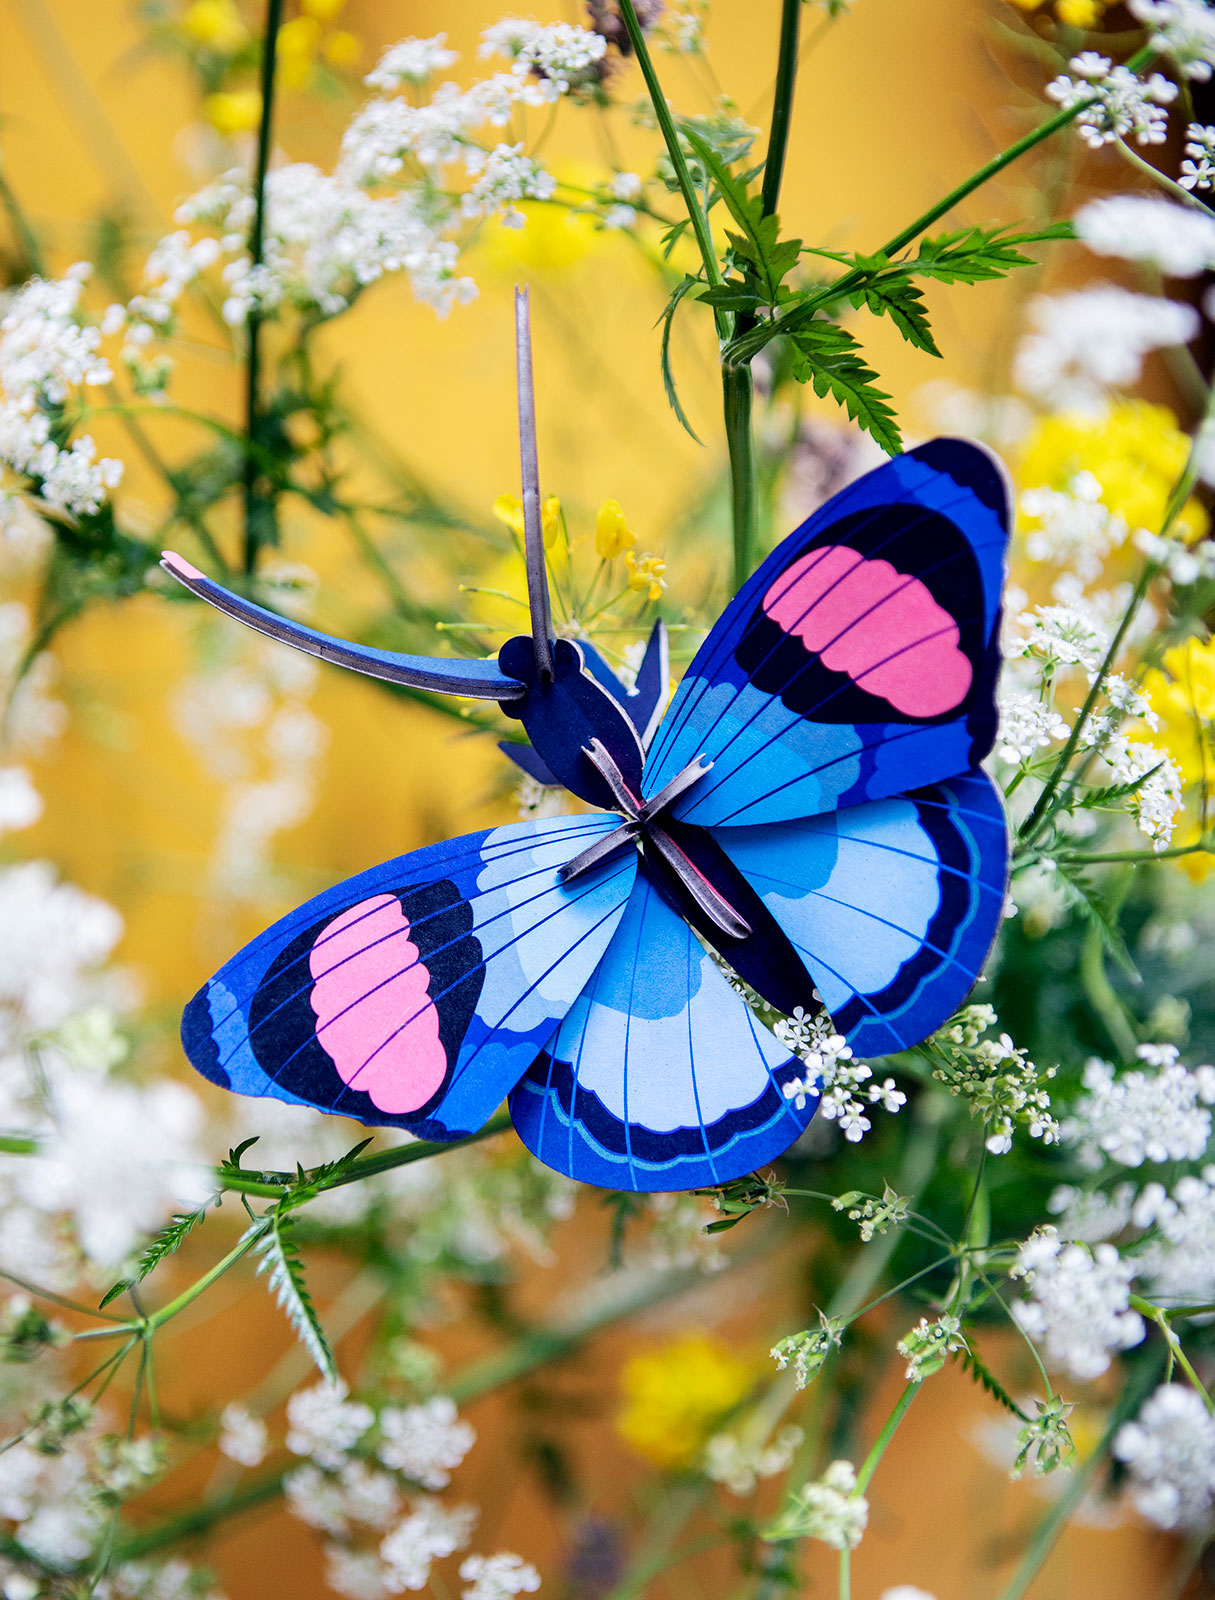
(1170, 1452)
(412, 61)
(1178, 240)
(243, 1438)
(324, 1423)
(1117, 103)
(499, 1577)
(426, 1441)
(1182, 29)
(1080, 1303)
(430, 1532)
(1198, 168)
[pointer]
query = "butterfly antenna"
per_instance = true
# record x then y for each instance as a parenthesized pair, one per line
(533, 533)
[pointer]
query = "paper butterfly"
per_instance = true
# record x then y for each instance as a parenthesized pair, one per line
(810, 806)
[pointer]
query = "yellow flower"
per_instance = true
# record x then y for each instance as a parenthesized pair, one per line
(296, 50)
(341, 49)
(508, 508)
(217, 24)
(235, 111)
(612, 532)
(1135, 451)
(646, 573)
(1182, 694)
(322, 10)
(676, 1395)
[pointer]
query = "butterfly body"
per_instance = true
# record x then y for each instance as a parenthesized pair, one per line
(809, 806)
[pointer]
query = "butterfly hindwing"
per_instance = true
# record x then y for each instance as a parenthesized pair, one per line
(892, 905)
(860, 659)
(659, 1077)
(417, 993)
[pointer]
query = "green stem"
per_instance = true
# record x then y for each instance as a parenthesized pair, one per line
(666, 125)
(782, 104)
(1042, 809)
(888, 1432)
(364, 1167)
(1056, 1519)
(241, 1248)
(737, 393)
(257, 240)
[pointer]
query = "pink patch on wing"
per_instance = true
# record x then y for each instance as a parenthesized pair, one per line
(876, 624)
(374, 1015)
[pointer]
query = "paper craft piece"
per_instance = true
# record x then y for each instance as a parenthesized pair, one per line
(810, 806)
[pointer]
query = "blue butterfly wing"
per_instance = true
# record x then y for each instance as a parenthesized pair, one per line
(660, 1076)
(892, 905)
(860, 659)
(417, 993)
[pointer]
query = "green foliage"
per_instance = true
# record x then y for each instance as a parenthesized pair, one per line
(830, 360)
(969, 1359)
(170, 1238)
(280, 1260)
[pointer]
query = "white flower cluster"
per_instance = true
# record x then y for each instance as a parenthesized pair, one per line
(928, 1345)
(1198, 167)
(1159, 795)
(1073, 527)
(1116, 102)
(831, 1070)
(326, 237)
(1079, 1305)
(1002, 1085)
(343, 1488)
(1169, 1451)
(47, 352)
(1179, 1262)
(829, 1509)
(738, 1461)
(1027, 724)
(1092, 1214)
(1178, 240)
(1184, 564)
(1083, 343)
(1145, 1115)
(497, 1577)
(411, 62)
(1184, 30)
(1061, 636)
(805, 1352)
(558, 53)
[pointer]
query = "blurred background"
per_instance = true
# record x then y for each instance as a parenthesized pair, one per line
(203, 785)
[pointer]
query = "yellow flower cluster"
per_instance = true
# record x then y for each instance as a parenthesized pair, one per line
(1074, 13)
(508, 509)
(1135, 451)
(218, 28)
(677, 1394)
(1182, 694)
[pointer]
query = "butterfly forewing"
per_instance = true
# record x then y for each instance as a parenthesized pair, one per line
(417, 993)
(860, 660)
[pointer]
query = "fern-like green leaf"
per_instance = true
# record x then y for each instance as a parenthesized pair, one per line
(1094, 907)
(829, 358)
(971, 1361)
(168, 1240)
(668, 376)
(280, 1261)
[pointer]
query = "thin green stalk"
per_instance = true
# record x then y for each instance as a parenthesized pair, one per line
(364, 1167)
(666, 126)
(782, 103)
(251, 1237)
(738, 391)
(257, 241)
(1042, 808)
(1047, 1533)
(870, 1464)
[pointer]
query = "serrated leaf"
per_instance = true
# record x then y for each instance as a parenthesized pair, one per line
(1094, 907)
(732, 296)
(829, 359)
(1099, 798)
(280, 1260)
(970, 1361)
(975, 255)
(668, 376)
(169, 1239)
(900, 300)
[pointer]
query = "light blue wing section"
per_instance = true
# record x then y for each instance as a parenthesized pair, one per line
(893, 905)
(791, 731)
(660, 1077)
(415, 994)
